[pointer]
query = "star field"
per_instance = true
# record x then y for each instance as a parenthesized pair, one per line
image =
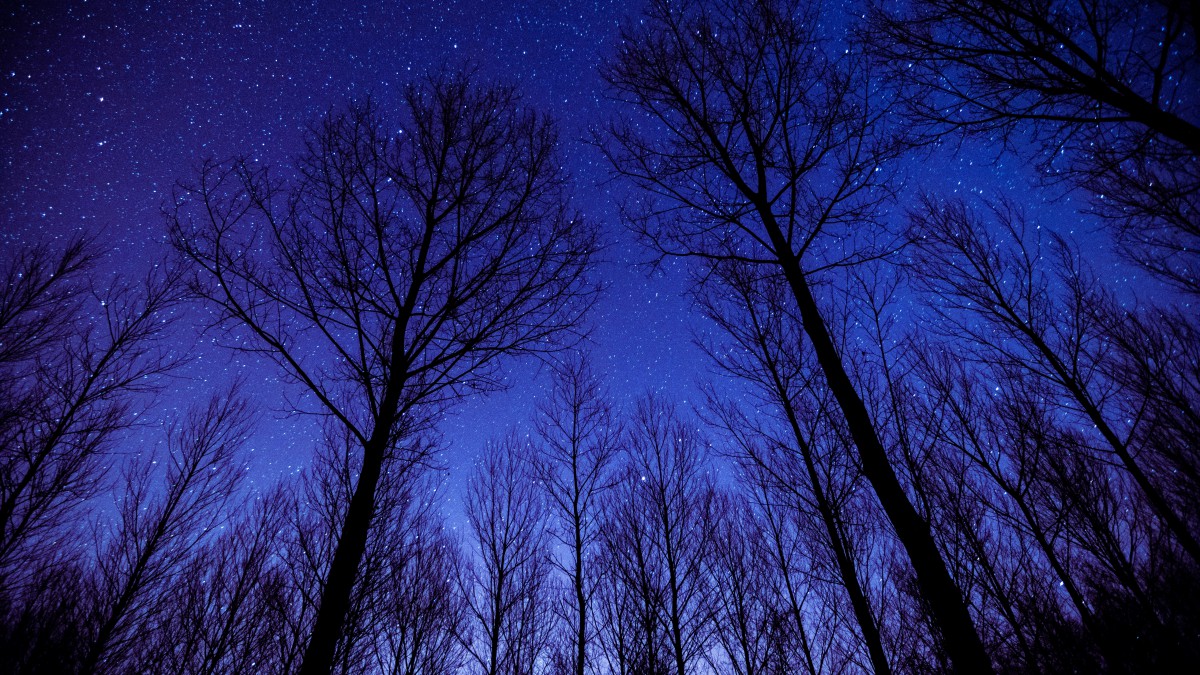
(106, 106)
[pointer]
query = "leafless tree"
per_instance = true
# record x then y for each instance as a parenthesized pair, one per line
(631, 592)
(159, 527)
(998, 293)
(425, 613)
(749, 621)
(764, 348)
(1081, 448)
(1156, 356)
(507, 585)
(756, 145)
(806, 647)
(1109, 84)
(995, 427)
(656, 536)
(578, 438)
(392, 275)
(216, 615)
(405, 612)
(75, 362)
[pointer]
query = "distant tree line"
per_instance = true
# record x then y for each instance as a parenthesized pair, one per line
(937, 439)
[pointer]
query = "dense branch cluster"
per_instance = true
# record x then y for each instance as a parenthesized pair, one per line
(936, 438)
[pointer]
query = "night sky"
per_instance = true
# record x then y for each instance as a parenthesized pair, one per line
(105, 106)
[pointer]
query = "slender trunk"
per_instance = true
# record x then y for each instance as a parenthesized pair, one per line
(794, 609)
(959, 637)
(794, 604)
(1003, 601)
(676, 612)
(847, 568)
(1042, 538)
(493, 666)
(352, 544)
(580, 603)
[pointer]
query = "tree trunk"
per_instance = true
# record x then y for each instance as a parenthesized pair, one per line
(581, 602)
(847, 567)
(959, 637)
(335, 597)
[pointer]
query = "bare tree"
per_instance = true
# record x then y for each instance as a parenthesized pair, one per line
(1156, 358)
(779, 448)
(159, 528)
(996, 428)
(507, 585)
(424, 613)
(748, 620)
(785, 546)
(392, 276)
(773, 154)
(657, 528)
(73, 362)
(1109, 83)
(632, 597)
(998, 294)
(405, 612)
(578, 441)
(216, 615)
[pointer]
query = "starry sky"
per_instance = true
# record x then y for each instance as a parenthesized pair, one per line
(104, 106)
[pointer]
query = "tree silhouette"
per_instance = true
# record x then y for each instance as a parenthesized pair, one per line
(508, 587)
(764, 348)
(1109, 83)
(391, 277)
(1007, 288)
(657, 530)
(578, 441)
(773, 155)
(217, 614)
(748, 621)
(74, 362)
(159, 528)
(1057, 442)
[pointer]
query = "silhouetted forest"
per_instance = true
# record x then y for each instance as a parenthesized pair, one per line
(937, 437)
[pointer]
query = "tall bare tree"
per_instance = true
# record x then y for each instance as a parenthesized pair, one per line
(749, 620)
(507, 586)
(656, 537)
(763, 348)
(216, 615)
(578, 442)
(391, 277)
(996, 428)
(405, 613)
(757, 146)
(999, 293)
(1156, 360)
(424, 613)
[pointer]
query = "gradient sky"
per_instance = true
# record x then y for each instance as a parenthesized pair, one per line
(106, 105)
